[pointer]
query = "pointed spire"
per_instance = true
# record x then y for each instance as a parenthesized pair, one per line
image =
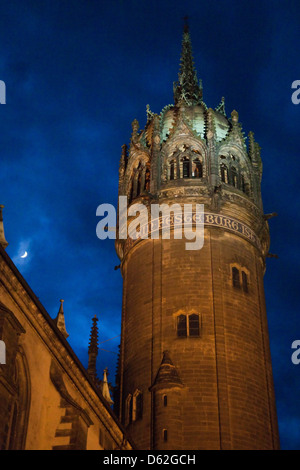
(167, 375)
(105, 387)
(187, 90)
(3, 241)
(93, 350)
(60, 320)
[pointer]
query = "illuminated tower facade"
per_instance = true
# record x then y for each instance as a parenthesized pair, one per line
(195, 368)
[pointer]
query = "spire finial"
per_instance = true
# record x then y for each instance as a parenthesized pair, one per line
(93, 350)
(187, 89)
(60, 320)
(3, 241)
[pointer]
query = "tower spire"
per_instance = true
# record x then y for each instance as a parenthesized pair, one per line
(187, 89)
(60, 320)
(93, 350)
(3, 241)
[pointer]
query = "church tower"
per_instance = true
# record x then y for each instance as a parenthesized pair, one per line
(195, 368)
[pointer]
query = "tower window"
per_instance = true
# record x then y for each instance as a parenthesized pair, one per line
(188, 325)
(224, 173)
(165, 400)
(243, 187)
(137, 408)
(172, 171)
(147, 180)
(194, 325)
(165, 435)
(139, 182)
(181, 325)
(197, 171)
(186, 168)
(235, 277)
(234, 177)
(245, 281)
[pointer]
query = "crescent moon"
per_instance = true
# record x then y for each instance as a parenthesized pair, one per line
(25, 255)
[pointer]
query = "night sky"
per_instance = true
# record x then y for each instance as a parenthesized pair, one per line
(77, 73)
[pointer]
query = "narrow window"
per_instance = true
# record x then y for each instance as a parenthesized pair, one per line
(235, 277)
(224, 173)
(147, 180)
(181, 325)
(245, 281)
(243, 186)
(234, 178)
(165, 398)
(139, 184)
(172, 170)
(186, 168)
(165, 435)
(194, 325)
(139, 406)
(197, 169)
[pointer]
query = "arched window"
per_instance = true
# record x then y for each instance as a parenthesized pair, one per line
(245, 281)
(137, 408)
(181, 325)
(165, 400)
(186, 168)
(194, 325)
(17, 427)
(235, 277)
(197, 171)
(234, 177)
(172, 170)
(224, 173)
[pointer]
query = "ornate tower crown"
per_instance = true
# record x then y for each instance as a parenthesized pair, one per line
(190, 150)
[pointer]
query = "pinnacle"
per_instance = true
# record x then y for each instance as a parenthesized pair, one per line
(187, 89)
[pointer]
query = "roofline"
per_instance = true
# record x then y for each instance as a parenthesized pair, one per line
(60, 336)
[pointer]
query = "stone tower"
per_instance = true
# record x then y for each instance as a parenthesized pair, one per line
(195, 369)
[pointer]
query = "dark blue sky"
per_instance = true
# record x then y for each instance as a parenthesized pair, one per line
(77, 74)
